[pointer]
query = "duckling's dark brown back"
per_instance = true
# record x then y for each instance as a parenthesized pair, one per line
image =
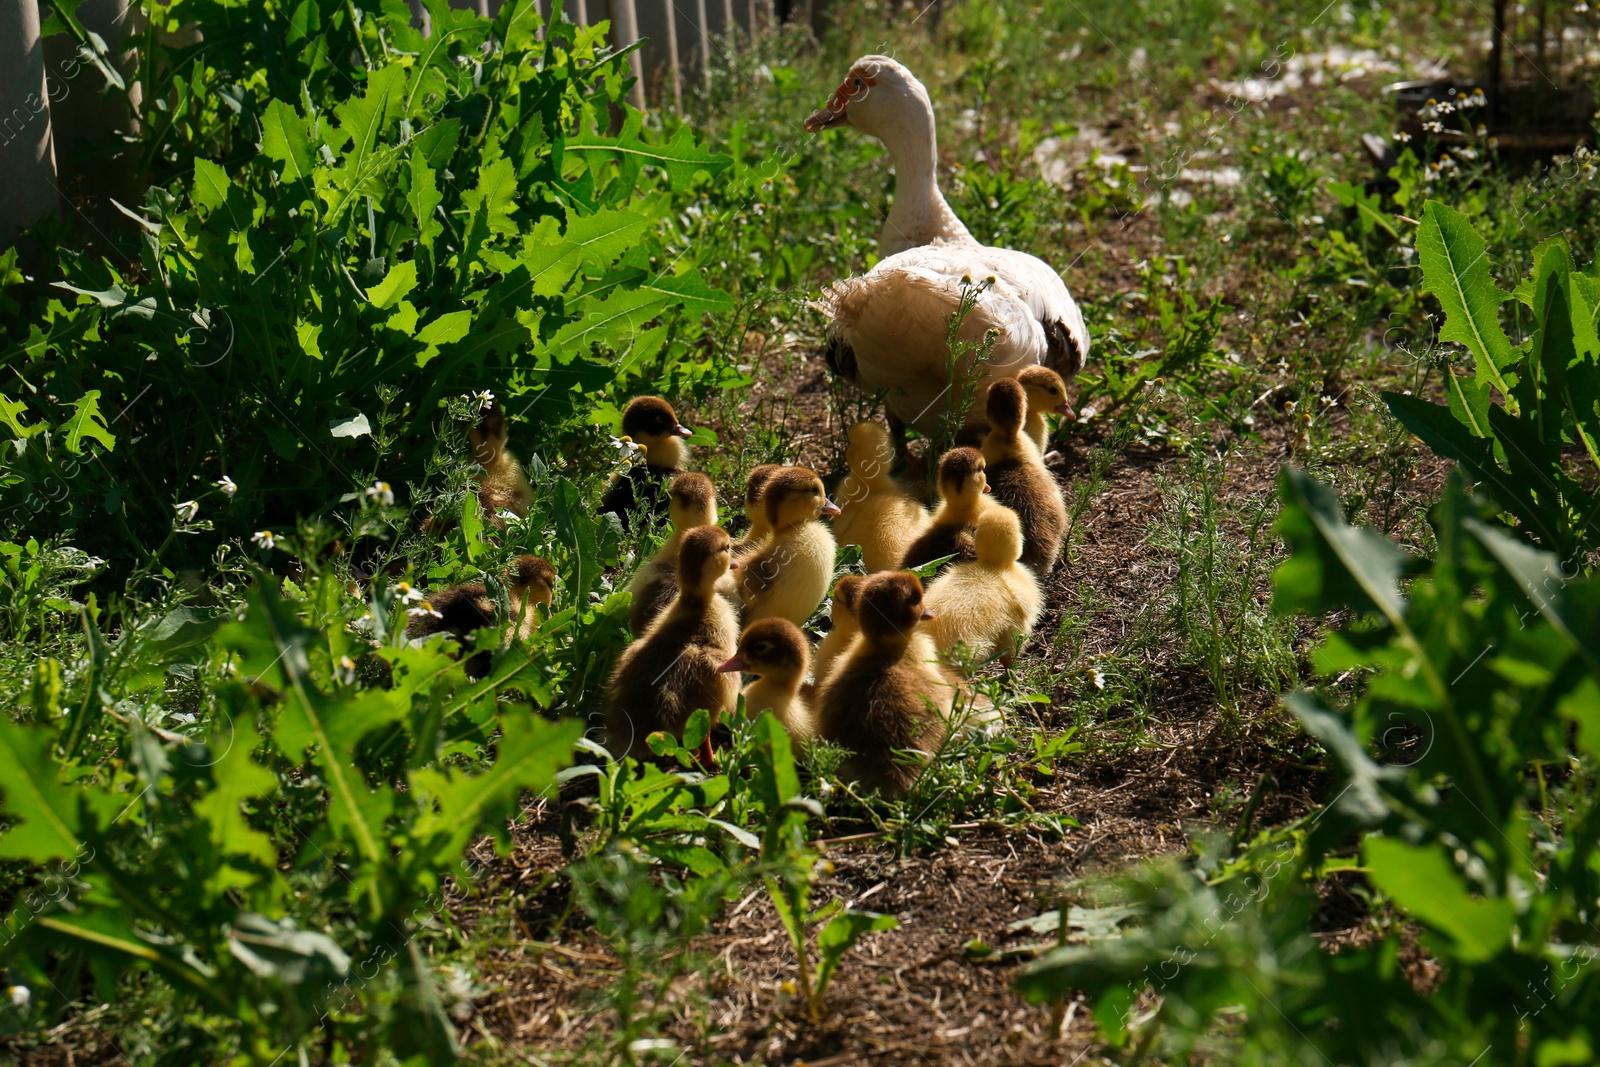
(1028, 489)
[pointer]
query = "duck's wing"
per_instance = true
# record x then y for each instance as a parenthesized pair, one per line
(1041, 288)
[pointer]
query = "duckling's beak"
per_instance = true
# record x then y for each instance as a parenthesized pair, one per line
(987, 488)
(928, 615)
(829, 507)
(734, 664)
(1065, 408)
(683, 431)
(733, 564)
(827, 118)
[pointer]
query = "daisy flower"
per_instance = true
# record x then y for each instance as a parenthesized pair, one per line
(380, 493)
(227, 485)
(264, 539)
(187, 510)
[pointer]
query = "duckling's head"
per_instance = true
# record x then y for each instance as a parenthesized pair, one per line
(794, 495)
(754, 486)
(847, 600)
(1046, 391)
(997, 538)
(706, 555)
(961, 476)
(531, 578)
(692, 501)
(774, 649)
(651, 422)
(488, 435)
(891, 607)
(870, 452)
(878, 96)
(1007, 407)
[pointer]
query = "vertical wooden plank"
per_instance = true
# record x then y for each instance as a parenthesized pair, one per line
(705, 42)
(730, 28)
(582, 12)
(27, 143)
(625, 31)
(670, 11)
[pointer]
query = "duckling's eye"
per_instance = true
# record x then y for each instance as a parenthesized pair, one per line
(858, 84)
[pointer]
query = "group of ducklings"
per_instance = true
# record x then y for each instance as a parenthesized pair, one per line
(707, 608)
(885, 677)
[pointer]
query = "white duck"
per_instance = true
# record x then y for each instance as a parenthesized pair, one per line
(888, 328)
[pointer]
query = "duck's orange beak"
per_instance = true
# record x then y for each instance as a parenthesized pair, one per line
(734, 664)
(829, 507)
(827, 118)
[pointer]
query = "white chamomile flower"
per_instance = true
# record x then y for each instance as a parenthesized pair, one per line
(346, 671)
(380, 493)
(408, 595)
(187, 510)
(626, 448)
(264, 539)
(1097, 679)
(1402, 137)
(484, 399)
(424, 610)
(1433, 127)
(19, 996)
(227, 485)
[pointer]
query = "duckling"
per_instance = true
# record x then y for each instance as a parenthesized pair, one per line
(962, 485)
(651, 423)
(776, 652)
(876, 512)
(672, 669)
(502, 485)
(691, 502)
(889, 694)
(846, 625)
(1046, 393)
(461, 609)
(1020, 479)
(760, 527)
(988, 603)
(789, 575)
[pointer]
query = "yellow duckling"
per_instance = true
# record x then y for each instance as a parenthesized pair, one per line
(1046, 393)
(691, 501)
(988, 603)
(963, 481)
(1020, 479)
(875, 511)
(650, 423)
(461, 609)
(846, 625)
(502, 485)
(776, 652)
(789, 575)
(760, 525)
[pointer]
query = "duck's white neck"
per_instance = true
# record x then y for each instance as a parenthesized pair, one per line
(920, 214)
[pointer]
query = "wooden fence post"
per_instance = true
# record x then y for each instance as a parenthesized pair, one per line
(27, 146)
(625, 27)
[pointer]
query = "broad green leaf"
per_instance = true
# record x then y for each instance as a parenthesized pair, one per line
(610, 322)
(1582, 707)
(680, 158)
(11, 412)
(236, 778)
(363, 120)
(46, 812)
(424, 199)
(87, 422)
(1333, 564)
(489, 206)
(286, 137)
(1456, 271)
(690, 290)
(1540, 576)
(446, 329)
(397, 283)
(1422, 881)
(1469, 402)
(841, 934)
(211, 184)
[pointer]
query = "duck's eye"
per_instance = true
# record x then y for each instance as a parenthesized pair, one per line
(858, 84)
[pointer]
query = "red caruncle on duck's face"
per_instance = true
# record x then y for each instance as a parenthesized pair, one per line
(836, 113)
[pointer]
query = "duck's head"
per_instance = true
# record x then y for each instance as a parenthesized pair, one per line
(754, 486)
(488, 435)
(651, 423)
(692, 501)
(1046, 391)
(876, 96)
(997, 537)
(961, 476)
(706, 555)
(847, 600)
(794, 495)
(774, 649)
(870, 452)
(891, 607)
(531, 578)
(1006, 407)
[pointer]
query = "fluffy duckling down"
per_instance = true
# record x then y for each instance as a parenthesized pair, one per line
(776, 652)
(650, 423)
(1020, 479)
(875, 511)
(672, 669)
(462, 609)
(989, 603)
(691, 502)
(889, 695)
(963, 481)
(789, 575)
(760, 525)
(1047, 394)
(846, 618)
(502, 486)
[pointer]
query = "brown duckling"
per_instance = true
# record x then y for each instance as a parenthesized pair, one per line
(963, 481)
(1020, 479)
(875, 511)
(672, 669)
(889, 694)
(502, 485)
(760, 525)
(846, 625)
(1047, 393)
(776, 652)
(789, 575)
(650, 423)
(691, 502)
(461, 609)
(988, 603)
